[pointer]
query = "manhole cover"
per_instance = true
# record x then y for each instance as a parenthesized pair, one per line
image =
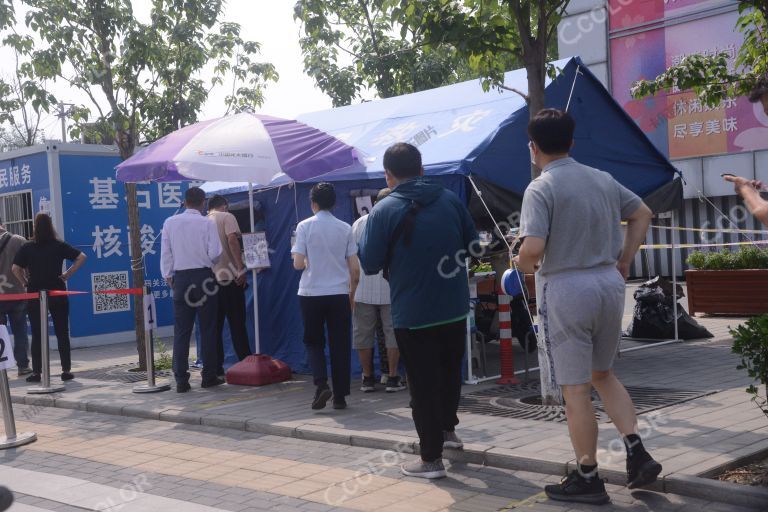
(524, 402)
(121, 373)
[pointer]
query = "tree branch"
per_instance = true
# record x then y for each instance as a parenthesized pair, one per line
(521, 93)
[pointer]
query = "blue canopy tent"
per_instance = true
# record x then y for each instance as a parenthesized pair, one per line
(462, 131)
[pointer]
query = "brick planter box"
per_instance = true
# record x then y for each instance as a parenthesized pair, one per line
(727, 292)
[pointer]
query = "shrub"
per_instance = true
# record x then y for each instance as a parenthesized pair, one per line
(750, 341)
(163, 361)
(749, 257)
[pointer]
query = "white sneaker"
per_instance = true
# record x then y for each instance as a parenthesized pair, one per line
(421, 469)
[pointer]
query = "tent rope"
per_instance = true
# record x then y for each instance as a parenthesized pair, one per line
(573, 86)
(509, 248)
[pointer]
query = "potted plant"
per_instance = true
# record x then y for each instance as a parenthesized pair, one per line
(730, 283)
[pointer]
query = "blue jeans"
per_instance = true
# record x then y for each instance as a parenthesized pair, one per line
(16, 312)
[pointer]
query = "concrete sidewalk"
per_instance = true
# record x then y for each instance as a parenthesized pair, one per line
(693, 438)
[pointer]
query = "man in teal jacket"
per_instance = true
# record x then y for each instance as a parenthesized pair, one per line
(421, 235)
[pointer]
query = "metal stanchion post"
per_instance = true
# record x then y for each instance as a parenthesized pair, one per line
(45, 351)
(11, 438)
(149, 323)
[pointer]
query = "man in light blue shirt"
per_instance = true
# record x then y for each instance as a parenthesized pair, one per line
(327, 254)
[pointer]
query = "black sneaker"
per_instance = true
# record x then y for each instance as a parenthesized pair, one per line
(218, 381)
(6, 498)
(394, 385)
(183, 387)
(340, 404)
(642, 470)
(35, 377)
(369, 384)
(65, 376)
(578, 489)
(322, 395)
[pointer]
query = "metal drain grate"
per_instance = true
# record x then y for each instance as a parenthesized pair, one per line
(520, 402)
(121, 373)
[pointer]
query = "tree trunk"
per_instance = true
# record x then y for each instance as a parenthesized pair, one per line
(137, 267)
(536, 80)
(535, 65)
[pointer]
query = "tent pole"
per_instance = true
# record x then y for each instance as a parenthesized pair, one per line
(257, 344)
(674, 272)
(468, 338)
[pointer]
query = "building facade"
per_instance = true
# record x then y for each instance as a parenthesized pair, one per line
(623, 41)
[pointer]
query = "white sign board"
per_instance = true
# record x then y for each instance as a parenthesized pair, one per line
(256, 250)
(7, 361)
(364, 205)
(150, 313)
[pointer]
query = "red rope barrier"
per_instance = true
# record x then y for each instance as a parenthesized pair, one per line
(60, 293)
(18, 296)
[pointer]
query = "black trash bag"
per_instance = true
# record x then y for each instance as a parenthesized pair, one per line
(653, 316)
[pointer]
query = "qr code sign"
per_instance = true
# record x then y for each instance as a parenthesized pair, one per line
(109, 303)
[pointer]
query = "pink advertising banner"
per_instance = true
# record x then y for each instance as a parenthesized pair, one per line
(676, 121)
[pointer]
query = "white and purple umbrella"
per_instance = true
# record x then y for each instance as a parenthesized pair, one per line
(241, 148)
(244, 147)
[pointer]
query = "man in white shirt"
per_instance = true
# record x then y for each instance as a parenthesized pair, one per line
(327, 254)
(189, 249)
(372, 301)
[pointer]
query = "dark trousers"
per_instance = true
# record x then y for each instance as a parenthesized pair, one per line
(334, 313)
(432, 359)
(194, 294)
(232, 309)
(59, 309)
(15, 313)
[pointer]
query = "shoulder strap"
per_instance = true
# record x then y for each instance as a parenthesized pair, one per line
(403, 229)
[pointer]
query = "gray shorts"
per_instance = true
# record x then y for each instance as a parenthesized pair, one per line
(580, 314)
(364, 320)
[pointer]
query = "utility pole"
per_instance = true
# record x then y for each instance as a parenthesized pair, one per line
(63, 114)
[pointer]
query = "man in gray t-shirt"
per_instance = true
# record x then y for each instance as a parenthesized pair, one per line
(571, 230)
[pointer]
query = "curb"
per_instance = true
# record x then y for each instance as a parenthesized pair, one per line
(685, 485)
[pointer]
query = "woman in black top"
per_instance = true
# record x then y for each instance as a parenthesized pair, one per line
(38, 266)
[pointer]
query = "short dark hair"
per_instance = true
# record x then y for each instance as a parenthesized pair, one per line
(403, 160)
(217, 201)
(324, 195)
(761, 88)
(194, 196)
(552, 131)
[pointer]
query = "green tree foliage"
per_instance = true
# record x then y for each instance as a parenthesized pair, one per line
(351, 46)
(7, 14)
(143, 79)
(189, 38)
(490, 34)
(22, 96)
(23, 99)
(710, 76)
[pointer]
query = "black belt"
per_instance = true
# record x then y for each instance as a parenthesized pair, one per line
(190, 270)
